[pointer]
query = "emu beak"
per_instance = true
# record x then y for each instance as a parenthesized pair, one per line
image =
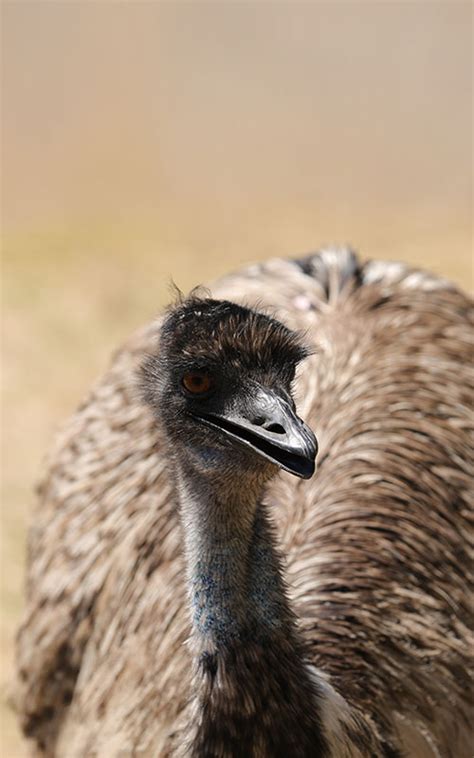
(269, 425)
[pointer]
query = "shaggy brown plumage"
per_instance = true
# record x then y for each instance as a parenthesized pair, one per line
(376, 545)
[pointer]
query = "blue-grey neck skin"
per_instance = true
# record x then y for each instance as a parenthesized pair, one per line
(252, 683)
(235, 588)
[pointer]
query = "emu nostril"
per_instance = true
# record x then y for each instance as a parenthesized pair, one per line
(277, 428)
(258, 421)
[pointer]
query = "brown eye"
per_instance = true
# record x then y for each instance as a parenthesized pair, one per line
(197, 382)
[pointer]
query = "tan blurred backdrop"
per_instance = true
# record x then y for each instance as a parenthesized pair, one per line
(148, 140)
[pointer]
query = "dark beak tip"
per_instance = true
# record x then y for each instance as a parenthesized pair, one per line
(306, 470)
(301, 463)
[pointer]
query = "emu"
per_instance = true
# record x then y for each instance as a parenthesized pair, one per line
(184, 600)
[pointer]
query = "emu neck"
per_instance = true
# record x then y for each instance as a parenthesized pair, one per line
(252, 685)
(234, 581)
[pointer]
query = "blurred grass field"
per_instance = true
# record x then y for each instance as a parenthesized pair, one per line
(223, 135)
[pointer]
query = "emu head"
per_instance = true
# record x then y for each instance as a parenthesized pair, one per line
(220, 385)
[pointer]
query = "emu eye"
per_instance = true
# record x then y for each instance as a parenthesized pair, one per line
(197, 382)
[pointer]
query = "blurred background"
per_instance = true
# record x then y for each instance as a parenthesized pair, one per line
(144, 141)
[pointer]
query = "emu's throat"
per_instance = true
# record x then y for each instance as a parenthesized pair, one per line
(245, 640)
(234, 583)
